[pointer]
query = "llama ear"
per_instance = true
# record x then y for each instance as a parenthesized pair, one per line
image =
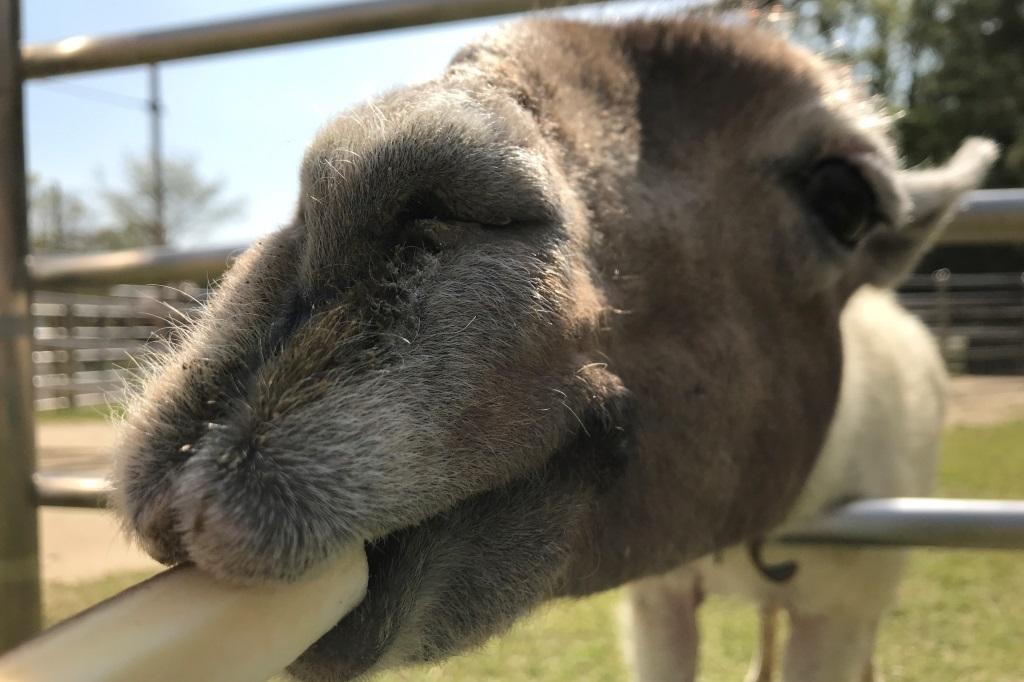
(933, 196)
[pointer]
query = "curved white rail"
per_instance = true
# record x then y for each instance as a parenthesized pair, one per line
(183, 625)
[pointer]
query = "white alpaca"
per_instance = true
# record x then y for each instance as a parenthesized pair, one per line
(883, 441)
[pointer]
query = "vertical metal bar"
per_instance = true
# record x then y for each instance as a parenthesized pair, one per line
(1019, 346)
(19, 541)
(156, 152)
(68, 366)
(941, 279)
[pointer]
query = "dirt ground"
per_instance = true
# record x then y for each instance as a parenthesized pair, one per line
(984, 401)
(81, 544)
(86, 544)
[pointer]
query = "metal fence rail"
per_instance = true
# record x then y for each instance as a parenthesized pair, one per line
(89, 54)
(893, 522)
(989, 216)
(916, 522)
(131, 266)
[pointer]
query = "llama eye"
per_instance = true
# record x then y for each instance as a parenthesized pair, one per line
(842, 200)
(434, 235)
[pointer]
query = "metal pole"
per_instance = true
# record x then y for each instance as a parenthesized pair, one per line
(941, 279)
(71, 490)
(159, 226)
(132, 266)
(83, 53)
(1020, 341)
(58, 217)
(19, 548)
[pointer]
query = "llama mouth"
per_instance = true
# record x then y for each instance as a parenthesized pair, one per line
(420, 574)
(449, 582)
(457, 556)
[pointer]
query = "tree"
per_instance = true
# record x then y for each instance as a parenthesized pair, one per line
(969, 81)
(56, 217)
(870, 36)
(189, 202)
(951, 68)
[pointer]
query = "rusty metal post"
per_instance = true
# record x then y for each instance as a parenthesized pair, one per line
(19, 540)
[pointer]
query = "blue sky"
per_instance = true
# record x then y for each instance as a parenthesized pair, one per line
(245, 117)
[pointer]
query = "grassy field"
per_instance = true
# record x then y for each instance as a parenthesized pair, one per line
(960, 616)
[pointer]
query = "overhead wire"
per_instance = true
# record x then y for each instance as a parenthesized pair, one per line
(96, 94)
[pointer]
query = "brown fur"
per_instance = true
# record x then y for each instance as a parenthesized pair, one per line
(552, 322)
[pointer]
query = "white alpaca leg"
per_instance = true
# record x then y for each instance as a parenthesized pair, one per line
(661, 639)
(762, 666)
(828, 648)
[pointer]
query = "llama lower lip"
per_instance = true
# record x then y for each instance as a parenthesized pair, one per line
(359, 640)
(492, 548)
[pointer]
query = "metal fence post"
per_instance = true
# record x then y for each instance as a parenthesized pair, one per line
(1020, 341)
(19, 543)
(940, 278)
(67, 390)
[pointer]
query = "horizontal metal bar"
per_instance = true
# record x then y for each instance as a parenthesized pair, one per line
(989, 216)
(83, 53)
(69, 490)
(132, 266)
(998, 217)
(898, 521)
(926, 283)
(917, 522)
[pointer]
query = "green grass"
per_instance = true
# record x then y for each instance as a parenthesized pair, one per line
(961, 613)
(960, 616)
(61, 600)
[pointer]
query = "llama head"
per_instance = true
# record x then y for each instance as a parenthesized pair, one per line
(563, 317)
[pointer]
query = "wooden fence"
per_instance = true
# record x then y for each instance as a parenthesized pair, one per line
(977, 318)
(86, 346)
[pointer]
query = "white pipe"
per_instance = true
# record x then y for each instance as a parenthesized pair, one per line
(183, 625)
